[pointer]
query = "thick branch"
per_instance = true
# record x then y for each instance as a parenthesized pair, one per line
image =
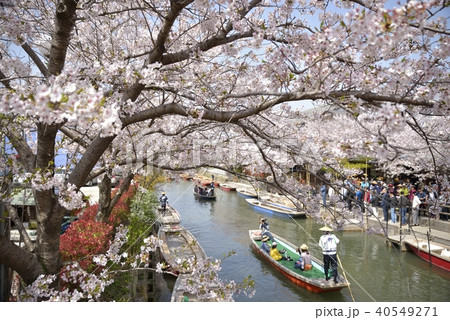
(26, 156)
(4, 80)
(22, 261)
(41, 66)
(64, 24)
(18, 223)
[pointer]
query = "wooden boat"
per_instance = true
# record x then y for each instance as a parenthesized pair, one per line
(271, 208)
(170, 216)
(437, 253)
(186, 176)
(178, 244)
(313, 280)
(207, 183)
(246, 193)
(278, 199)
(227, 187)
(181, 294)
(206, 196)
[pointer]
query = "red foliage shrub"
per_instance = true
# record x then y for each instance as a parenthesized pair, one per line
(87, 237)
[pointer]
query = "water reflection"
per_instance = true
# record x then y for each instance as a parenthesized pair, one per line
(376, 272)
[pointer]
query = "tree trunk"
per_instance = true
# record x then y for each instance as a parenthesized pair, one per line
(104, 199)
(49, 212)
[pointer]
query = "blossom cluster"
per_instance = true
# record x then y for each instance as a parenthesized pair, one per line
(80, 285)
(68, 195)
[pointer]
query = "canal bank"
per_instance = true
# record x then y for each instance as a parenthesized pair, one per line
(376, 272)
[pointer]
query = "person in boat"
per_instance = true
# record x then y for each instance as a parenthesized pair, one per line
(211, 189)
(264, 226)
(163, 200)
(328, 242)
(304, 260)
(276, 254)
(264, 246)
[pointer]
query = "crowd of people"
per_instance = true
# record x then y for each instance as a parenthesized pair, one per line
(402, 199)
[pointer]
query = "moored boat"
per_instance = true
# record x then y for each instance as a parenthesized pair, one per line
(246, 193)
(312, 280)
(271, 208)
(436, 253)
(169, 216)
(186, 176)
(278, 200)
(178, 245)
(227, 187)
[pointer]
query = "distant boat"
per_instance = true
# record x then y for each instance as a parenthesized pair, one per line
(205, 181)
(271, 208)
(170, 216)
(186, 176)
(246, 193)
(178, 244)
(227, 187)
(437, 253)
(206, 196)
(313, 280)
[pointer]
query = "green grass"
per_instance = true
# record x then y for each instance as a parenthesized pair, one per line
(311, 274)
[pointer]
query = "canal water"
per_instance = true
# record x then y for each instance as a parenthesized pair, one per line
(376, 272)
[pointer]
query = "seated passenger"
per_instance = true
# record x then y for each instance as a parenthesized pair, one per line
(264, 246)
(304, 261)
(274, 253)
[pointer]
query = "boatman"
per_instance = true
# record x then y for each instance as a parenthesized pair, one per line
(328, 242)
(163, 201)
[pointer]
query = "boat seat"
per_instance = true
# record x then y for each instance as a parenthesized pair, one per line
(445, 253)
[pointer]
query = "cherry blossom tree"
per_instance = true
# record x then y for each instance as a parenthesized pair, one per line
(181, 84)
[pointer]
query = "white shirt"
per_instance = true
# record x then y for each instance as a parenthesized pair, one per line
(416, 202)
(328, 243)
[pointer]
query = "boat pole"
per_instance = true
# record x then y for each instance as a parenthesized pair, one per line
(429, 248)
(345, 276)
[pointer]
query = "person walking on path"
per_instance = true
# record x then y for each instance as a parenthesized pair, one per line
(385, 204)
(328, 242)
(415, 210)
(403, 204)
(323, 191)
(393, 204)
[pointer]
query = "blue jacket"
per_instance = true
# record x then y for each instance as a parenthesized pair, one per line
(265, 247)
